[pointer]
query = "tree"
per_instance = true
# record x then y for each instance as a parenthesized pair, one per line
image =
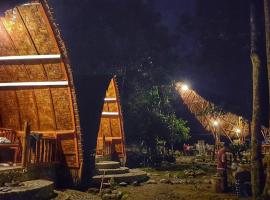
(256, 59)
(267, 33)
(178, 131)
(160, 123)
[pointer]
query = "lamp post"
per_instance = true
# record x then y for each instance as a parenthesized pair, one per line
(216, 126)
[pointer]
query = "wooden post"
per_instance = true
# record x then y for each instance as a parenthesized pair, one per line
(25, 144)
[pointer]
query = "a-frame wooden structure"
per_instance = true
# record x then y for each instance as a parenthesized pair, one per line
(37, 86)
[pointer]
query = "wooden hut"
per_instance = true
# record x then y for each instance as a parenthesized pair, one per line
(36, 86)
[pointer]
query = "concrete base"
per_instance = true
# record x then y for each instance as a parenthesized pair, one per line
(107, 165)
(30, 190)
(120, 170)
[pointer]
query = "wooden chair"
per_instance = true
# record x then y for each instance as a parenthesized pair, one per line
(14, 144)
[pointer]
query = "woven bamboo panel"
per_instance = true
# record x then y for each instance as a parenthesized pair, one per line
(43, 40)
(9, 110)
(105, 107)
(9, 73)
(119, 147)
(45, 109)
(62, 108)
(112, 107)
(110, 93)
(27, 108)
(105, 128)
(67, 148)
(116, 129)
(21, 41)
(38, 29)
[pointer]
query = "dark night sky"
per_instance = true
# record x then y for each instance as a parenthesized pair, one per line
(228, 86)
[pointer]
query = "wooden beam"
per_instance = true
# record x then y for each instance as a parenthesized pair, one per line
(108, 100)
(31, 59)
(110, 114)
(32, 84)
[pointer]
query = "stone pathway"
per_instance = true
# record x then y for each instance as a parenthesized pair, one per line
(75, 195)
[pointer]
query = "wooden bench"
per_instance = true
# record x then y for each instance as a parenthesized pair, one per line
(14, 144)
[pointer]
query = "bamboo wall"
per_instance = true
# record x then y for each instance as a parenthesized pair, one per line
(50, 110)
(111, 126)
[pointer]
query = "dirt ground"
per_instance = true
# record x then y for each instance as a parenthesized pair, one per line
(197, 188)
(161, 191)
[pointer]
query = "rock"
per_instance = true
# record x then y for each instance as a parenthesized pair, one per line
(107, 191)
(182, 181)
(169, 175)
(190, 181)
(119, 195)
(174, 182)
(113, 196)
(155, 174)
(114, 191)
(151, 182)
(106, 185)
(207, 181)
(123, 184)
(109, 196)
(135, 183)
(93, 190)
(12, 184)
(124, 197)
(106, 197)
(164, 180)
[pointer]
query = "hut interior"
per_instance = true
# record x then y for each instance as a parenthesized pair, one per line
(110, 141)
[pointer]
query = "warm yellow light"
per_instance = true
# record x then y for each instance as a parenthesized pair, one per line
(184, 87)
(237, 130)
(215, 123)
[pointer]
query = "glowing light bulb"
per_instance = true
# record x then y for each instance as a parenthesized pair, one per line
(215, 123)
(184, 87)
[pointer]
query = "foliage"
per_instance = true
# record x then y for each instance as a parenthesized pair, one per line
(237, 149)
(160, 124)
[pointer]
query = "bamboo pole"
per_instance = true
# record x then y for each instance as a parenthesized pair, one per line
(25, 145)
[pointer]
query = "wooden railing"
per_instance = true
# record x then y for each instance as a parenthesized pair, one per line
(42, 151)
(38, 150)
(9, 134)
(13, 143)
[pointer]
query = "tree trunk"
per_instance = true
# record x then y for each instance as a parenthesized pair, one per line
(256, 160)
(267, 37)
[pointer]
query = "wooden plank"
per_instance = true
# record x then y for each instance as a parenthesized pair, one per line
(25, 145)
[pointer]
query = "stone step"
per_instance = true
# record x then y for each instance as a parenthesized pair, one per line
(131, 176)
(120, 170)
(107, 165)
(102, 159)
(30, 190)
